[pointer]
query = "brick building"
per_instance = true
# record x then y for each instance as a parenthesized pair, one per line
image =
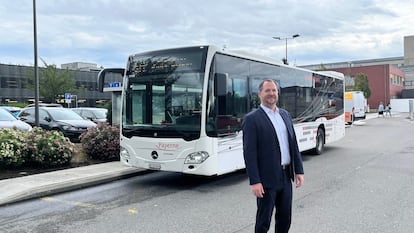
(385, 81)
(389, 78)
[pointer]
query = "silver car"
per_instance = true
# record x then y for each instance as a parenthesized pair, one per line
(13, 110)
(94, 114)
(7, 120)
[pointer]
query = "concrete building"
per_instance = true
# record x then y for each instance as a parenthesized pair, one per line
(408, 66)
(84, 66)
(13, 79)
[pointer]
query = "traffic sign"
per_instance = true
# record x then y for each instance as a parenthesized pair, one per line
(68, 98)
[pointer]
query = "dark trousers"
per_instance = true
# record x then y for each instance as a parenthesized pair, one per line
(281, 200)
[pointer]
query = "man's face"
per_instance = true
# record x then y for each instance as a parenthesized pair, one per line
(269, 95)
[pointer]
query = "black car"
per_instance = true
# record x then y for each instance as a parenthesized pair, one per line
(51, 118)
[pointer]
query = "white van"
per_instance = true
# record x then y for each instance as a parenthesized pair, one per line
(354, 106)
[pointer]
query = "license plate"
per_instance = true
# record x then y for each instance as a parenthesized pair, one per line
(154, 166)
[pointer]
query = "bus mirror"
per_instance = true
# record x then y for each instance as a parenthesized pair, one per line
(104, 72)
(220, 84)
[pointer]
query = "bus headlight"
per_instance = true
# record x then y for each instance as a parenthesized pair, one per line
(124, 153)
(196, 157)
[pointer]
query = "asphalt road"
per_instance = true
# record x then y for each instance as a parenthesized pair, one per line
(363, 183)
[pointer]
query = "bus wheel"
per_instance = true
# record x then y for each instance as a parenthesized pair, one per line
(320, 142)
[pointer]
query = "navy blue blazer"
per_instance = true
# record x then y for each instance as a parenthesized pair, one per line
(261, 149)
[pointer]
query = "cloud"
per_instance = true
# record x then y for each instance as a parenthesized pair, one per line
(107, 31)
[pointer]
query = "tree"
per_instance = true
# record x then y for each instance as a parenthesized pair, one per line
(53, 83)
(361, 84)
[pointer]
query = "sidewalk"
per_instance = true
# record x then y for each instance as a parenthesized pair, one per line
(34, 186)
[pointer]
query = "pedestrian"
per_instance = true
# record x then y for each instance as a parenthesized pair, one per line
(388, 110)
(381, 109)
(272, 159)
(353, 115)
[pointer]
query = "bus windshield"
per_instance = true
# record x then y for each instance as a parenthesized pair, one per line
(163, 94)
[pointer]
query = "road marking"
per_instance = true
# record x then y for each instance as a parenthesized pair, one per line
(133, 211)
(73, 203)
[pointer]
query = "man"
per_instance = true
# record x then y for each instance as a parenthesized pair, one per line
(272, 159)
(381, 109)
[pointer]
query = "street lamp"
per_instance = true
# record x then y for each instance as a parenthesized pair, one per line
(36, 68)
(285, 60)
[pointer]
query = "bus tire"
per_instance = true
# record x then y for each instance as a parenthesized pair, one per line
(320, 142)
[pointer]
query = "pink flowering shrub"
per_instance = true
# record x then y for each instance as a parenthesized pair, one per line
(13, 150)
(37, 147)
(101, 142)
(49, 148)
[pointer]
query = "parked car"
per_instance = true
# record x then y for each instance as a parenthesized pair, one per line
(63, 119)
(13, 110)
(94, 114)
(7, 120)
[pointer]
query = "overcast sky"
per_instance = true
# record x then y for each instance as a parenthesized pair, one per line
(105, 32)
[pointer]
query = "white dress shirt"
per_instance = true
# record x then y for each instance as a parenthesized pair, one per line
(281, 132)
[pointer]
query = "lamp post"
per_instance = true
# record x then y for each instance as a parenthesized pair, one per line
(285, 60)
(36, 68)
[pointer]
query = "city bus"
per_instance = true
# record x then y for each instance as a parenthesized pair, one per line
(182, 108)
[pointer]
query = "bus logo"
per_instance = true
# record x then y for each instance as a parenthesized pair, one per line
(154, 154)
(168, 146)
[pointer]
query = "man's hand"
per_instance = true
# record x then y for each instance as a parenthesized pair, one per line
(258, 190)
(300, 178)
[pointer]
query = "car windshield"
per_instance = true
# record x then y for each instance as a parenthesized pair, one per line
(100, 113)
(63, 114)
(6, 116)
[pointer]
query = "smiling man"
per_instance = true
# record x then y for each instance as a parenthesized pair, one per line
(272, 159)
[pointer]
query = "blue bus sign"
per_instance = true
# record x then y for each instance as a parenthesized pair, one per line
(68, 98)
(115, 84)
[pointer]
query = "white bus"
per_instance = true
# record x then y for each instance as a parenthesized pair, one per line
(182, 108)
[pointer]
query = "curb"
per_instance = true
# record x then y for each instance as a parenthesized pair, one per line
(70, 185)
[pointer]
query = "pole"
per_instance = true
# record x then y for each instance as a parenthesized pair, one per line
(285, 60)
(36, 68)
(286, 51)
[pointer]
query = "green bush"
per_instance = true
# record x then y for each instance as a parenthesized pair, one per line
(13, 150)
(101, 142)
(49, 148)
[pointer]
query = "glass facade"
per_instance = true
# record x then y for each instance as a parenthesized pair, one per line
(13, 88)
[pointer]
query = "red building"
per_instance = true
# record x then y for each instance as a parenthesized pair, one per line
(385, 81)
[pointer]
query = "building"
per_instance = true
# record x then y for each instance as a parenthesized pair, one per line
(385, 81)
(389, 78)
(13, 79)
(408, 66)
(84, 66)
